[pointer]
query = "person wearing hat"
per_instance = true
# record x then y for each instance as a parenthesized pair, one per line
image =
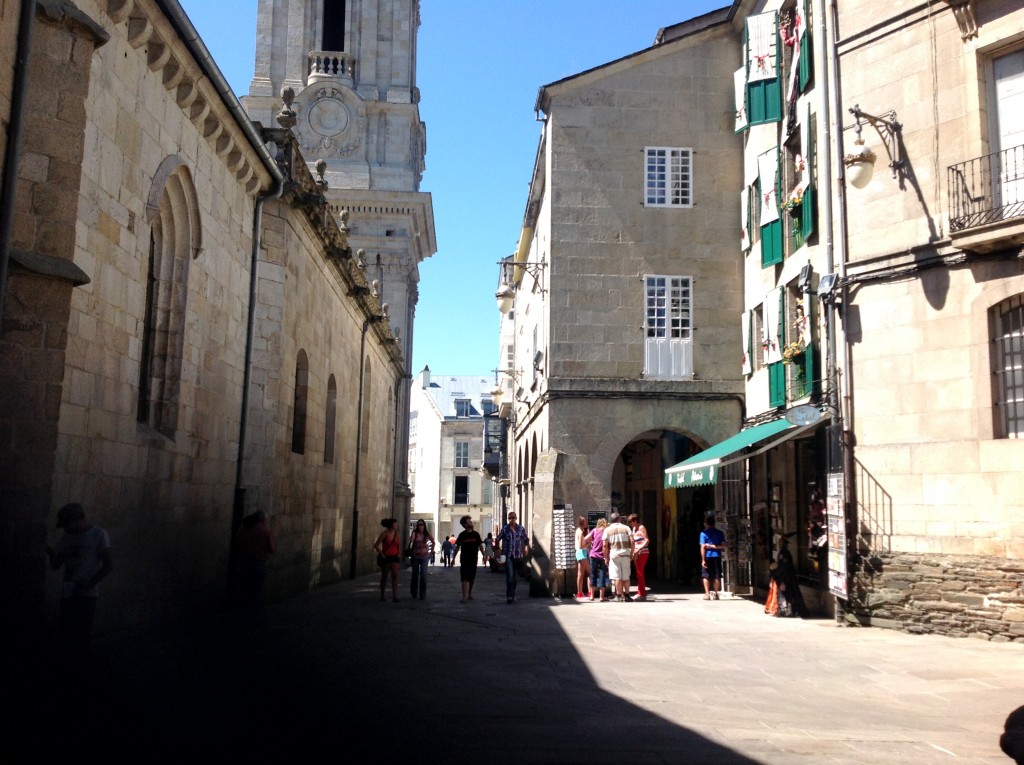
(84, 552)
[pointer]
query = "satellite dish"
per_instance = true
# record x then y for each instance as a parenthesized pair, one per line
(804, 414)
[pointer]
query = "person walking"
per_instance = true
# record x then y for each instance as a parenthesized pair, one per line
(446, 552)
(582, 559)
(467, 546)
(420, 544)
(712, 544)
(514, 545)
(84, 552)
(618, 553)
(389, 547)
(255, 544)
(641, 552)
(598, 565)
(488, 549)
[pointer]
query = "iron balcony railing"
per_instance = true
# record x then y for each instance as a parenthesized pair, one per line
(987, 189)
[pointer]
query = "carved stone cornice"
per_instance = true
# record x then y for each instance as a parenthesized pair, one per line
(966, 17)
(147, 29)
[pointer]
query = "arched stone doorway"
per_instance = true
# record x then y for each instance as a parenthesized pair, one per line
(673, 517)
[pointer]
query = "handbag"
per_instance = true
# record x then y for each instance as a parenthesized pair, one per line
(381, 560)
(407, 553)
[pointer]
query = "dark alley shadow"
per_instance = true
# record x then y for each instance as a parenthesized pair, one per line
(339, 676)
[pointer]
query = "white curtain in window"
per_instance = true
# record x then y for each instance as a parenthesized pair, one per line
(772, 327)
(740, 80)
(745, 219)
(767, 171)
(762, 47)
(799, 27)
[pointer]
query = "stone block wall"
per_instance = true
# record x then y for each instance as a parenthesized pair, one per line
(958, 596)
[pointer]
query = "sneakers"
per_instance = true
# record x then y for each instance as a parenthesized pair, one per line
(580, 596)
(714, 595)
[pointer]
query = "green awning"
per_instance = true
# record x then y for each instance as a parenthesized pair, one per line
(702, 468)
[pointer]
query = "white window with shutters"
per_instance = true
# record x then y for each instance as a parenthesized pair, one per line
(668, 327)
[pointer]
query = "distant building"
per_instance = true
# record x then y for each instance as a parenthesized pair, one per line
(622, 294)
(446, 452)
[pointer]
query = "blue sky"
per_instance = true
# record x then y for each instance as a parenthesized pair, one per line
(481, 63)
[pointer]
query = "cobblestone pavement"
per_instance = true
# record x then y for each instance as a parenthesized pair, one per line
(339, 676)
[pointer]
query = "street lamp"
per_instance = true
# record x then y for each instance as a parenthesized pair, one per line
(860, 162)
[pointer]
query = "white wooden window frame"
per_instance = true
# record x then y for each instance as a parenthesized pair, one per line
(668, 176)
(668, 327)
(462, 454)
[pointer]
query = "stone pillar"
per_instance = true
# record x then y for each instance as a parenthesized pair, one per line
(34, 328)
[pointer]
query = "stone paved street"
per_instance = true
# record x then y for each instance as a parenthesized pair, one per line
(338, 676)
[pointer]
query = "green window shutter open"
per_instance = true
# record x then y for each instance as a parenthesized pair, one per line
(808, 211)
(764, 97)
(809, 369)
(806, 55)
(764, 101)
(777, 384)
(771, 244)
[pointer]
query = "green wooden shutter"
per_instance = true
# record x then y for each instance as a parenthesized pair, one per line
(808, 370)
(777, 384)
(764, 97)
(808, 211)
(806, 48)
(772, 233)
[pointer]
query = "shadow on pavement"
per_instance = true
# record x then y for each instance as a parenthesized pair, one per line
(338, 676)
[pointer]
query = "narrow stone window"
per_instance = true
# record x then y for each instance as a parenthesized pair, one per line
(300, 403)
(364, 437)
(174, 240)
(331, 415)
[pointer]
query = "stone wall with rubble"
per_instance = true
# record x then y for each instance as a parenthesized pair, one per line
(958, 596)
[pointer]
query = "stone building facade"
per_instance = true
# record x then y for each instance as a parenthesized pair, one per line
(187, 335)
(625, 292)
(932, 312)
(881, 330)
(446, 452)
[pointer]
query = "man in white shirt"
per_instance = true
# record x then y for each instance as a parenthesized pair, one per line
(618, 551)
(84, 552)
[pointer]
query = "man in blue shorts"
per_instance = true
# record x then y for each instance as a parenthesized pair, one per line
(712, 545)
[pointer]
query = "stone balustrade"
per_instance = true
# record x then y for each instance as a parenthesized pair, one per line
(333, 65)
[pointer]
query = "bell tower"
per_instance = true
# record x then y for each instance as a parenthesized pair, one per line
(352, 67)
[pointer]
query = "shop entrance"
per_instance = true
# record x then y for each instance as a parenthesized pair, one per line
(673, 517)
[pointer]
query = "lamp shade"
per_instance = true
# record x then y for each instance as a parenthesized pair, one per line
(860, 165)
(505, 297)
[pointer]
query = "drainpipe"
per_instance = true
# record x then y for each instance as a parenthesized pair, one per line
(359, 446)
(12, 154)
(839, 402)
(238, 509)
(188, 34)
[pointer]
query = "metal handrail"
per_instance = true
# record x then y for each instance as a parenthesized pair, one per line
(986, 189)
